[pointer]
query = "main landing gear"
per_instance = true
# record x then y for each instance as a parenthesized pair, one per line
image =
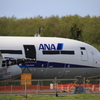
(80, 88)
(79, 85)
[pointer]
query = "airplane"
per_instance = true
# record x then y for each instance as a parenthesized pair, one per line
(53, 57)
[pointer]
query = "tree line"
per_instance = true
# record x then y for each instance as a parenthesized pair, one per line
(86, 29)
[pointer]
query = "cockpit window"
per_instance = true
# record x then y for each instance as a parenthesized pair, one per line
(82, 48)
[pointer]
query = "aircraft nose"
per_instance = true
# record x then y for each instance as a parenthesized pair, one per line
(14, 70)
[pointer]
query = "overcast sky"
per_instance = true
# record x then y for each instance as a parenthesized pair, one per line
(47, 8)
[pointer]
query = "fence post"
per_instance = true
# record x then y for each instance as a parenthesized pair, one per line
(99, 85)
(84, 85)
(38, 88)
(56, 94)
(25, 90)
(11, 89)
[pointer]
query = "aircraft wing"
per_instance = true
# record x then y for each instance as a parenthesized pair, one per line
(14, 61)
(6, 63)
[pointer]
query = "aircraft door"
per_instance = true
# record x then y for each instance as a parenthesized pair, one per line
(84, 55)
(30, 51)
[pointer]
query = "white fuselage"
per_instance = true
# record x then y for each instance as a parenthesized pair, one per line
(55, 57)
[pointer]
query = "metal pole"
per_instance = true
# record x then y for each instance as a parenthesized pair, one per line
(56, 94)
(39, 30)
(25, 89)
(42, 84)
(11, 89)
(84, 84)
(38, 87)
(99, 84)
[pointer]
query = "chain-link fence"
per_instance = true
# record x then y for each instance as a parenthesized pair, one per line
(51, 86)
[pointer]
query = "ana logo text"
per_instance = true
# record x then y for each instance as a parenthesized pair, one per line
(59, 46)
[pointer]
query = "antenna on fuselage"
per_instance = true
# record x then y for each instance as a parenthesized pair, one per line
(39, 32)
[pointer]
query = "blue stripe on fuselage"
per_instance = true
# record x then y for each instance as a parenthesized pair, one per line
(44, 64)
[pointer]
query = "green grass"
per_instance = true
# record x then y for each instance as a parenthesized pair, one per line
(48, 97)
